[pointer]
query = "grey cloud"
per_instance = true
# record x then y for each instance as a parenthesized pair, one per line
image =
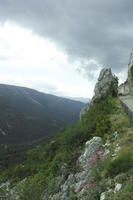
(84, 28)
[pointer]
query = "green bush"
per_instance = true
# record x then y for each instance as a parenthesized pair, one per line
(72, 196)
(45, 161)
(122, 163)
(97, 119)
(95, 185)
(30, 189)
(126, 193)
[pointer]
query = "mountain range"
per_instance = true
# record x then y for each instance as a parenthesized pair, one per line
(27, 115)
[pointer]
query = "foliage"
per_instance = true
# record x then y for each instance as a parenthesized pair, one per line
(28, 115)
(126, 193)
(72, 196)
(122, 163)
(95, 183)
(97, 119)
(30, 189)
(43, 163)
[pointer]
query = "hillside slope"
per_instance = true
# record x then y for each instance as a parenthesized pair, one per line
(27, 115)
(90, 160)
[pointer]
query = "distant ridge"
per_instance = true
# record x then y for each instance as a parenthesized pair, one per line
(27, 115)
(81, 99)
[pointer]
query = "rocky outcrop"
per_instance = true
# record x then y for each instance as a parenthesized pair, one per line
(77, 184)
(94, 146)
(107, 82)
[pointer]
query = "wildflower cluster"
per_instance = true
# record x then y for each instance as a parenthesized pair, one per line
(94, 168)
(94, 159)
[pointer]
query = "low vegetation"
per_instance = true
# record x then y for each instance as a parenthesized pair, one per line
(126, 193)
(40, 166)
(121, 164)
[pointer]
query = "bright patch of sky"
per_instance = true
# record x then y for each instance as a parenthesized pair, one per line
(27, 59)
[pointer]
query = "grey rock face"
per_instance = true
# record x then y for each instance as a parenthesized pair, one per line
(76, 182)
(102, 197)
(118, 186)
(106, 154)
(107, 195)
(92, 147)
(106, 80)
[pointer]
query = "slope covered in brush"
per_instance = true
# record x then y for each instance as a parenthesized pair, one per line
(89, 160)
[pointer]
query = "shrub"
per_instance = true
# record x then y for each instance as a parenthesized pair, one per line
(126, 193)
(95, 184)
(21, 171)
(29, 189)
(97, 119)
(72, 196)
(121, 164)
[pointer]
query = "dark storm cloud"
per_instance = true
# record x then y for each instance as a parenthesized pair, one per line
(98, 29)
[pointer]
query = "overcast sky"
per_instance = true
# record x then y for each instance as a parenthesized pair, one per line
(60, 46)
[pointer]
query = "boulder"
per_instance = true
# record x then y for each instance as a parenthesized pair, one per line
(108, 195)
(102, 197)
(118, 187)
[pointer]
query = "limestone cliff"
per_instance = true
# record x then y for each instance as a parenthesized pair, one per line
(107, 82)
